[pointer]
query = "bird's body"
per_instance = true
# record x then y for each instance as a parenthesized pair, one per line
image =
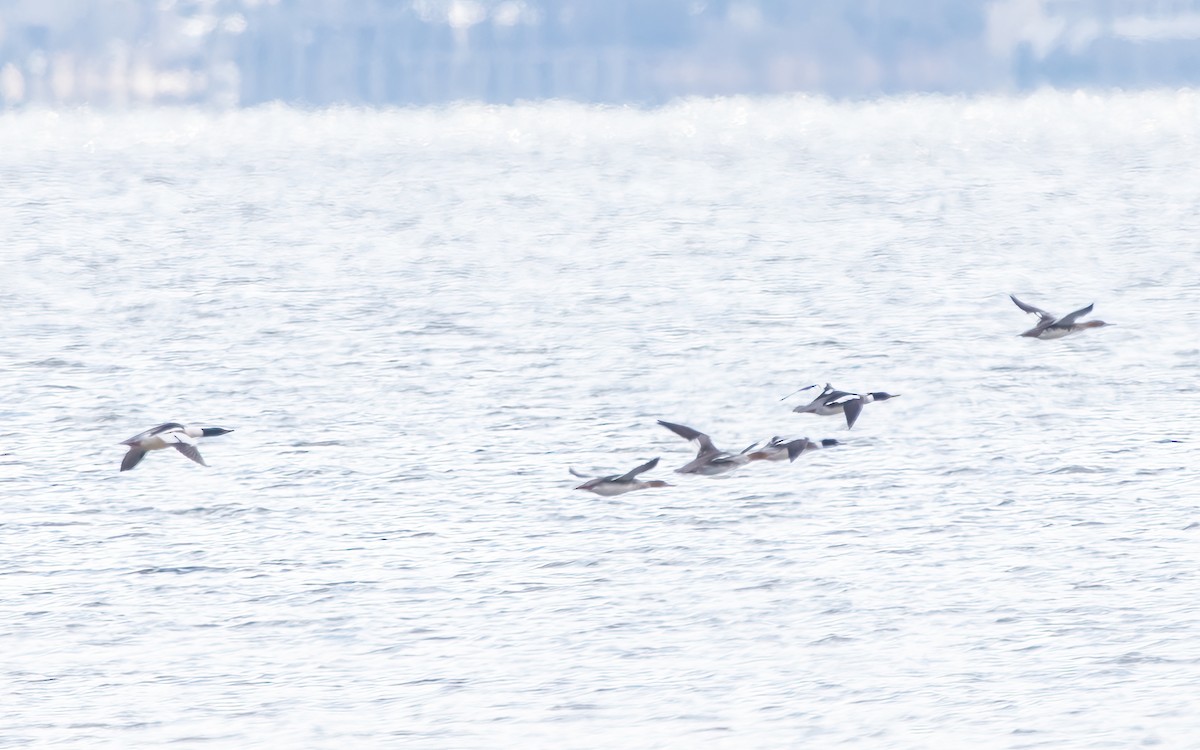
(619, 484)
(168, 435)
(1050, 326)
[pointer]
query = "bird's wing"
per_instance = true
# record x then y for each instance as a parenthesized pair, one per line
(190, 451)
(687, 433)
(634, 472)
(852, 408)
(132, 458)
(721, 457)
(1070, 319)
(577, 474)
(841, 397)
(796, 447)
(1031, 309)
(756, 445)
(164, 427)
(793, 393)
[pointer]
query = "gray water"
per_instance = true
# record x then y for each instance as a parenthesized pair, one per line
(417, 320)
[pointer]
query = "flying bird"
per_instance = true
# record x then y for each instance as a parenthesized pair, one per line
(1050, 326)
(778, 448)
(619, 484)
(832, 401)
(169, 435)
(711, 460)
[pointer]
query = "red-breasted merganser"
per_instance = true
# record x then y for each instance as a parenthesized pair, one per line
(1050, 326)
(778, 448)
(619, 484)
(169, 435)
(712, 460)
(832, 401)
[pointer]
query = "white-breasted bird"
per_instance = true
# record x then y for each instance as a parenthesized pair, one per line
(832, 401)
(168, 435)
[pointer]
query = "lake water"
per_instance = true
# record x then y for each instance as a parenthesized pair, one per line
(417, 320)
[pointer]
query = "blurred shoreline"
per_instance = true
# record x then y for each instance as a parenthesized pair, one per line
(227, 53)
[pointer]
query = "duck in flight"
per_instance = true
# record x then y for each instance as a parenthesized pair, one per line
(619, 484)
(778, 448)
(711, 460)
(1050, 326)
(832, 401)
(169, 435)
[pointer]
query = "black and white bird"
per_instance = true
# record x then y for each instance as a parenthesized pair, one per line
(169, 435)
(832, 401)
(779, 448)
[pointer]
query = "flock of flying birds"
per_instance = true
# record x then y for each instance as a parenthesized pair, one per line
(712, 460)
(709, 459)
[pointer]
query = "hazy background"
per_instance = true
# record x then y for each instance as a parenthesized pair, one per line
(319, 52)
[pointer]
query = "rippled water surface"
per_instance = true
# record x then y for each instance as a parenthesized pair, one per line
(417, 320)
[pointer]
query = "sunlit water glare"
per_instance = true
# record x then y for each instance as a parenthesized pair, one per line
(417, 320)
